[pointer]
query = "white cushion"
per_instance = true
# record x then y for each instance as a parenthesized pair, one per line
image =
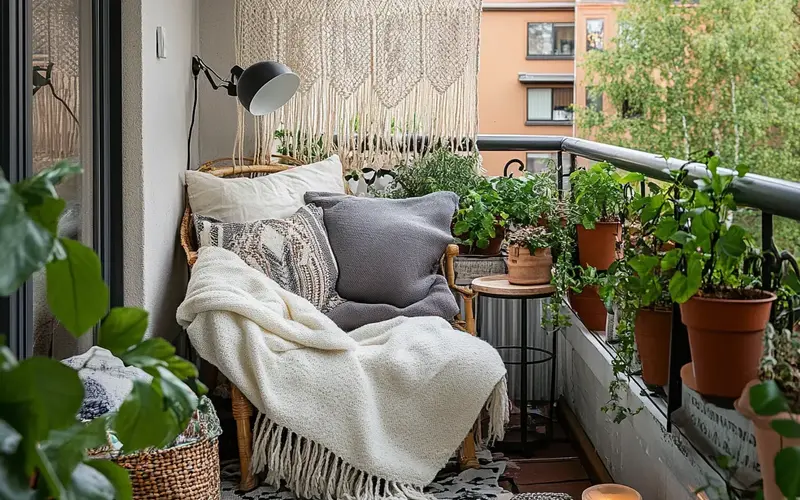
(273, 196)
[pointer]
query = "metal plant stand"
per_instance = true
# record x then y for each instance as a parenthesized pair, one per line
(498, 287)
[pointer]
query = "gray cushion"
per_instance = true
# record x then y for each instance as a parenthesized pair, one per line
(387, 250)
(294, 252)
(439, 302)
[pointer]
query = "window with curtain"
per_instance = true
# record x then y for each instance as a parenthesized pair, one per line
(551, 39)
(550, 104)
(594, 34)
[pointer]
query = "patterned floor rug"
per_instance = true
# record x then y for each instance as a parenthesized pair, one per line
(450, 484)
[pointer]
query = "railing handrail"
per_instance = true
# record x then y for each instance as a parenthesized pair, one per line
(775, 196)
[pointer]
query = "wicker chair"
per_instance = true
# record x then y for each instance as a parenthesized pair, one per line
(242, 408)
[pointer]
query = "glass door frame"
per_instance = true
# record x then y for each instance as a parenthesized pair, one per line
(16, 158)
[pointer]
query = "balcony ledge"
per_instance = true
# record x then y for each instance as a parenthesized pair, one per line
(534, 123)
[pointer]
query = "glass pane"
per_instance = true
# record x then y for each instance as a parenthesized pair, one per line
(594, 34)
(540, 39)
(565, 39)
(562, 104)
(594, 101)
(538, 162)
(540, 104)
(61, 115)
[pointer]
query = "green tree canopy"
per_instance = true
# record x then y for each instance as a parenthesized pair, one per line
(717, 74)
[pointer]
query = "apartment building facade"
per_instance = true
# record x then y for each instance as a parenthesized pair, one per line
(531, 77)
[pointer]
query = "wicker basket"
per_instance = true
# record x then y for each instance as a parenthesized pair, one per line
(223, 167)
(185, 472)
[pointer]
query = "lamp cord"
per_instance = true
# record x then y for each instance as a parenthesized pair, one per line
(191, 127)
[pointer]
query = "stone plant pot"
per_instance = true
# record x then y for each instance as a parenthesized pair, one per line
(652, 330)
(590, 308)
(768, 442)
(725, 339)
(527, 269)
(598, 247)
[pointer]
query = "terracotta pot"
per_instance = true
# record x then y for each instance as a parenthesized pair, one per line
(768, 442)
(493, 248)
(598, 247)
(590, 308)
(527, 269)
(652, 330)
(725, 338)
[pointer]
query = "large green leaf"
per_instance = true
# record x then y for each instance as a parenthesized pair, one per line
(63, 453)
(178, 396)
(142, 421)
(666, 228)
(25, 246)
(116, 475)
(671, 259)
(705, 223)
(9, 438)
(787, 465)
(767, 398)
(76, 292)
(682, 287)
(682, 237)
(732, 243)
(787, 428)
(34, 190)
(47, 213)
(122, 328)
(154, 351)
(643, 264)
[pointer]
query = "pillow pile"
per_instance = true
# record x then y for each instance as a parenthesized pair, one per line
(359, 260)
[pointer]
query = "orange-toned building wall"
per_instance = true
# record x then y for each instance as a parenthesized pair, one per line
(502, 98)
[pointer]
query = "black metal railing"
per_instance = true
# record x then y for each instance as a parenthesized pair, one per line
(773, 197)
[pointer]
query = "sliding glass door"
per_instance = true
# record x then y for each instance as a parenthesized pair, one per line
(61, 100)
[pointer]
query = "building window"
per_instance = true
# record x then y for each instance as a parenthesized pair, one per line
(551, 39)
(550, 104)
(594, 100)
(539, 162)
(631, 109)
(594, 34)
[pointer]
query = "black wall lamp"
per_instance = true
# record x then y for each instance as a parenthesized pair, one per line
(262, 88)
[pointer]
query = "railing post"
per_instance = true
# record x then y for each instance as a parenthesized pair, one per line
(560, 173)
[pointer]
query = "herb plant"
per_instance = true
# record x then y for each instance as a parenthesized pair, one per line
(42, 444)
(598, 195)
(779, 392)
(479, 219)
(711, 255)
(531, 237)
(438, 170)
(528, 199)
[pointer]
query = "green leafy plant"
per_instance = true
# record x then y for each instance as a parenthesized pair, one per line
(438, 170)
(598, 194)
(42, 444)
(778, 393)
(479, 219)
(531, 237)
(300, 146)
(712, 254)
(529, 199)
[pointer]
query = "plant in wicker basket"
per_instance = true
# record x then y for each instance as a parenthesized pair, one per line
(43, 447)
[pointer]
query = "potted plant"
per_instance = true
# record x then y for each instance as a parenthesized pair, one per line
(772, 403)
(585, 299)
(724, 313)
(479, 225)
(438, 170)
(43, 446)
(529, 257)
(598, 201)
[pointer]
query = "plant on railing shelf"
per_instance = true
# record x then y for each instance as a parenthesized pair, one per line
(42, 444)
(773, 403)
(713, 278)
(598, 200)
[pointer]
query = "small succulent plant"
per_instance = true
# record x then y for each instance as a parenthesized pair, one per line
(530, 237)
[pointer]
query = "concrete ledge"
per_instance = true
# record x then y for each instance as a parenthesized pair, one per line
(528, 6)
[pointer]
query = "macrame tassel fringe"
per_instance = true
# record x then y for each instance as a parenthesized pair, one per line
(311, 470)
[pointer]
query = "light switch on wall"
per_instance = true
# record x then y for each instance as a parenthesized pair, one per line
(161, 46)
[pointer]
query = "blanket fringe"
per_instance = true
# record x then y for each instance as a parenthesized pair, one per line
(498, 408)
(311, 470)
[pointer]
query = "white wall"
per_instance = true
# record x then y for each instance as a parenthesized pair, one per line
(218, 130)
(157, 100)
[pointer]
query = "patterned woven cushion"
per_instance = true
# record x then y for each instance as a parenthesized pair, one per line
(294, 252)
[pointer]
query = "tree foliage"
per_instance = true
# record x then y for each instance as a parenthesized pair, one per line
(718, 73)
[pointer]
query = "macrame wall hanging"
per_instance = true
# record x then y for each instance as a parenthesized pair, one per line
(55, 48)
(372, 72)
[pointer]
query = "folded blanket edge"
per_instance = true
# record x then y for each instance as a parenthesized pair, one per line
(311, 470)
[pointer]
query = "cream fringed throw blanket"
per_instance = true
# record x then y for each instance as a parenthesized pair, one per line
(370, 414)
(371, 72)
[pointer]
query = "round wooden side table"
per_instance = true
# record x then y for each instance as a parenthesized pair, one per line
(498, 287)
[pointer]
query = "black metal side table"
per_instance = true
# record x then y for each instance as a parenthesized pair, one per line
(498, 287)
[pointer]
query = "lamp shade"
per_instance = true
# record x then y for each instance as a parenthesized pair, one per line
(610, 492)
(266, 86)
